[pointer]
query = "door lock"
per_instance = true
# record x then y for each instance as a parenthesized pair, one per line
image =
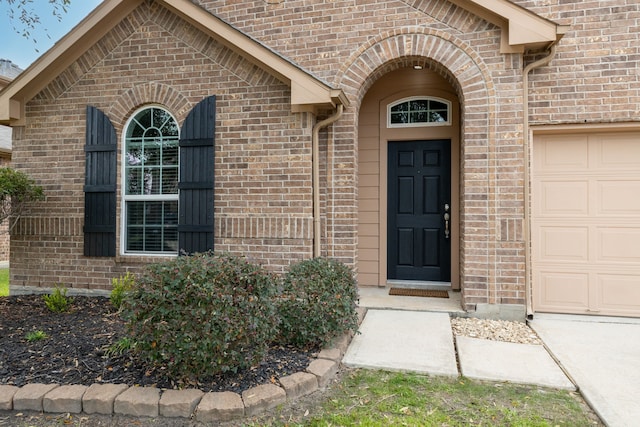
(447, 217)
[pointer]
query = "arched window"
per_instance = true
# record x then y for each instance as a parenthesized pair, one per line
(151, 173)
(419, 111)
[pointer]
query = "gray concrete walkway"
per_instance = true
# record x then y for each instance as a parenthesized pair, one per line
(422, 341)
(414, 341)
(602, 356)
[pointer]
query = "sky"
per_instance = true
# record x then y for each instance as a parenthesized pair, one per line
(22, 51)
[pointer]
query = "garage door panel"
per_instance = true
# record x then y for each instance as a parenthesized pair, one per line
(561, 153)
(616, 152)
(618, 245)
(564, 243)
(563, 198)
(619, 294)
(618, 197)
(558, 289)
(586, 223)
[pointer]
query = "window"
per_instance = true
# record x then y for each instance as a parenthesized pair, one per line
(414, 112)
(151, 171)
(156, 163)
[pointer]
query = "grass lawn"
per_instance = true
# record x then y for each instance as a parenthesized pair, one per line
(378, 398)
(4, 282)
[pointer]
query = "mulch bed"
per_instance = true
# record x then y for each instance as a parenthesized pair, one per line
(74, 351)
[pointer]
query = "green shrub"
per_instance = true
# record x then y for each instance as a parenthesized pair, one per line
(317, 302)
(58, 301)
(119, 288)
(203, 314)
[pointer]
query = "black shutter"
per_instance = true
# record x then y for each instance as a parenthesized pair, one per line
(195, 226)
(100, 186)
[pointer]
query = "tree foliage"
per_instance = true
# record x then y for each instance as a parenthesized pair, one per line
(24, 15)
(17, 191)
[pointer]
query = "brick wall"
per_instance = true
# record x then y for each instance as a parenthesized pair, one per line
(595, 76)
(263, 152)
(351, 44)
(263, 158)
(593, 79)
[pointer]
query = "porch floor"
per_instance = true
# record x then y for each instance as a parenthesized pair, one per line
(378, 298)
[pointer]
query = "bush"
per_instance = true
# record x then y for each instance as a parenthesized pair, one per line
(58, 302)
(202, 315)
(119, 288)
(17, 191)
(318, 302)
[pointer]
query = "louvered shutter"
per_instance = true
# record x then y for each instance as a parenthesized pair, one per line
(100, 186)
(195, 226)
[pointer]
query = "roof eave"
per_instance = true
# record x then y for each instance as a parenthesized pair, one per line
(522, 30)
(306, 89)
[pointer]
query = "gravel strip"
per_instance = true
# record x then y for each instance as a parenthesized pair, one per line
(495, 330)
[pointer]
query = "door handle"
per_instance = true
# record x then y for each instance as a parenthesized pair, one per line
(447, 217)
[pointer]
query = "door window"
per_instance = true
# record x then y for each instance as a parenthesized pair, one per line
(415, 112)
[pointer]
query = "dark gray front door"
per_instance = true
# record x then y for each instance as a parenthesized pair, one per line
(419, 188)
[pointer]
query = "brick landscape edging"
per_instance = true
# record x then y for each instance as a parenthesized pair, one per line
(120, 399)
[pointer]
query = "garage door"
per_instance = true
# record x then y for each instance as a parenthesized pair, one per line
(586, 224)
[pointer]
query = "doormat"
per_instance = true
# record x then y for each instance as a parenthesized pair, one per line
(408, 292)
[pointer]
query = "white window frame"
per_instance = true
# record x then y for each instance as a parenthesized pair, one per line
(420, 124)
(147, 198)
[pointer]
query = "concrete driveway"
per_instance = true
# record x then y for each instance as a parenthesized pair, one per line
(602, 357)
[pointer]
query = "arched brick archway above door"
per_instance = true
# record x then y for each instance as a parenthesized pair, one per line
(441, 51)
(466, 71)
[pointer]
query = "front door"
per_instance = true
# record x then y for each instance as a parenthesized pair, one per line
(419, 211)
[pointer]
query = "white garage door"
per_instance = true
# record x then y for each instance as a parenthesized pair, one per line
(586, 224)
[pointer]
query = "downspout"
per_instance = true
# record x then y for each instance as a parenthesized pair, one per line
(527, 176)
(315, 164)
